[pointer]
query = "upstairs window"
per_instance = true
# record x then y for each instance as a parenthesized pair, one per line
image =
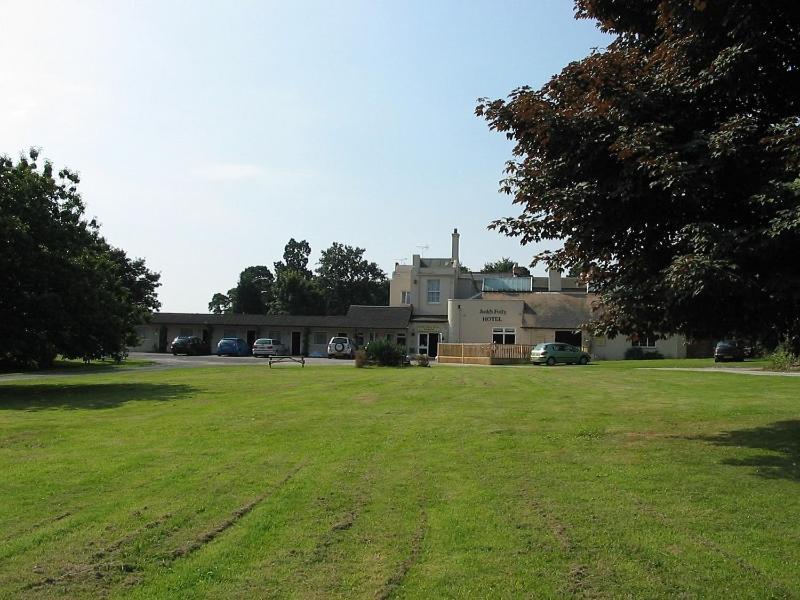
(434, 294)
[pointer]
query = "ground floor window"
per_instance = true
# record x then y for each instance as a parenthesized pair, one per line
(186, 332)
(275, 335)
(229, 333)
(504, 335)
(401, 339)
(320, 337)
(389, 337)
(644, 341)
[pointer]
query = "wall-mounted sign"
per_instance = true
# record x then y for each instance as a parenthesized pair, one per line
(427, 328)
(494, 315)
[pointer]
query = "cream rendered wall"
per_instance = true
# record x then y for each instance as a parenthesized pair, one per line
(472, 321)
(400, 282)
(446, 292)
(603, 348)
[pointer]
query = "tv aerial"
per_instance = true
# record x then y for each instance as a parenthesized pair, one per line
(423, 247)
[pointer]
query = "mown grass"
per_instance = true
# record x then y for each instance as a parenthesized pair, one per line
(331, 482)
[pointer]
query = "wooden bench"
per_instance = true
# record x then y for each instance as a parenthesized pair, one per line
(279, 359)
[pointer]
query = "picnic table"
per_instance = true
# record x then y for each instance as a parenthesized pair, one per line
(279, 359)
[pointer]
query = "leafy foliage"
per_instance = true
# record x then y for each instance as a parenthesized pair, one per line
(220, 303)
(295, 258)
(253, 293)
(504, 265)
(346, 277)
(668, 166)
(63, 288)
(385, 353)
(296, 294)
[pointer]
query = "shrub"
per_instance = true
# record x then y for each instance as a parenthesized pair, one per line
(782, 359)
(638, 353)
(361, 358)
(423, 360)
(385, 353)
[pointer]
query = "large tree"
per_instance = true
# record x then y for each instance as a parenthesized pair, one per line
(346, 277)
(295, 258)
(296, 294)
(253, 292)
(668, 165)
(503, 265)
(63, 288)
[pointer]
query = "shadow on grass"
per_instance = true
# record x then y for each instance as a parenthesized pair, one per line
(782, 438)
(87, 396)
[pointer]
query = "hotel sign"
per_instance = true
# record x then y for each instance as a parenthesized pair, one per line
(494, 315)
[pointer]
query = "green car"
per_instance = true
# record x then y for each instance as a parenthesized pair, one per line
(554, 352)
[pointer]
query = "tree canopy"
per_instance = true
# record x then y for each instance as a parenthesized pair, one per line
(343, 277)
(504, 265)
(63, 288)
(346, 277)
(667, 164)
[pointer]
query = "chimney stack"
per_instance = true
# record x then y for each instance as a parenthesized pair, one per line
(554, 280)
(454, 255)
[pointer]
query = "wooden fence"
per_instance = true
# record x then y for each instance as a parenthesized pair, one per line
(484, 354)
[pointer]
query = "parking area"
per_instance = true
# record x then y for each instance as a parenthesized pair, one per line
(221, 361)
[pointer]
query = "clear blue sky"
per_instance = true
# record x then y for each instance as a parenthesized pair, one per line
(209, 133)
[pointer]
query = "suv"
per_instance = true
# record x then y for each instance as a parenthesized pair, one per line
(729, 350)
(341, 347)
(188, 345)
(556, 352)
(268, 347)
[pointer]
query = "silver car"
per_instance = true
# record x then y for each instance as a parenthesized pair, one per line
(268, 347)
(341, 347)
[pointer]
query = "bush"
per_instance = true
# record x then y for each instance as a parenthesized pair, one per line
(638, 353)
(782, 359)
(361, 358)
(422, 360)
(385, 353)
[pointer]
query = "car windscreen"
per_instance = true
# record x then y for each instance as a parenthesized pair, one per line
(263, 342)
(338, 340)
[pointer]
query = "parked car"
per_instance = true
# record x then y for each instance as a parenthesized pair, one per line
(729, 350)
(553, 353)
(233, 347)
(268, 347)
(189, 345)
(341, 347)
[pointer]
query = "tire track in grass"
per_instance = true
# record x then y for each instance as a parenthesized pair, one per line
(397, 578)
(103, 562)
(213, 533)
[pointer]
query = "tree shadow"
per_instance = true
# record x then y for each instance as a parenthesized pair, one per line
(87, 396)
(782, 438)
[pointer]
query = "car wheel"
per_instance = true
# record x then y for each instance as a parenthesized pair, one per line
(584, 360)
(551, 361)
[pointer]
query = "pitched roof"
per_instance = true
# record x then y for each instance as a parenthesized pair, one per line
(379, 317)
(369, 317)
(552, 310)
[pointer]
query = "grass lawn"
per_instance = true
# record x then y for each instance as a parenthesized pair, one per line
(335, 482)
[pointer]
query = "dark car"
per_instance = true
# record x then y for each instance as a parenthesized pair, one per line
(233, 347)
(189, 345)
(729, 350)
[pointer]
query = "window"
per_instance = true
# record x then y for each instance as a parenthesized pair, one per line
(644, 341)
(434, 292)
(401, 339)
(229, 333)
(371, 336)
(504, 335)
(320, 337)
(389, 337)
(186, 332)
(276, 336)
(340, 334)
(405, 297)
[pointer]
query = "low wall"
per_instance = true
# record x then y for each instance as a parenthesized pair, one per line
(484, 354)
